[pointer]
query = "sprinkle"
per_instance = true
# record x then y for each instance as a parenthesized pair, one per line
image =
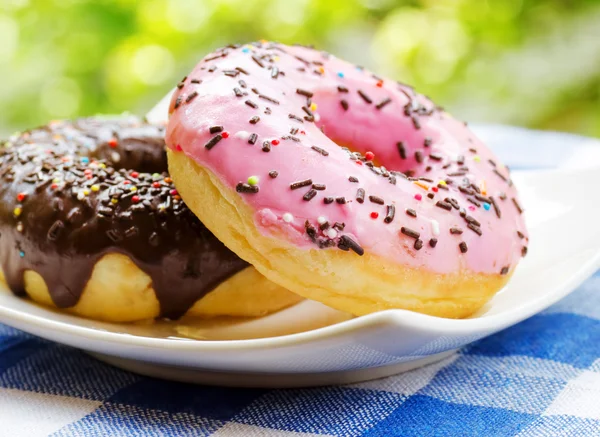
(360, 195)
(245, 188)
(366, 98)
(409, 232)
(321, 220)
(401, 149)
(347, 243)
(213, 141)
(353, 179)
(433, 242)
(342, 88)
(369, 156)
(258, 61)
(251, 104)
(496, 207)
(384, 102)
(288, 218)
(21, 254)
(443, 205)
(390, 212)
(340, 200)
(331, 233)
(376, 199)
(253, 180)
(80, 195)
(114, 201)
(191, 97)
(500, 175)
(456, 231)
(486, 206)
(517, 205)
(435, 227)
(321, 151)
(266, 147)
(304, 92)
(374, 215)
(268, 99)
(435, 157)
(310, 194)
(275, 142)
(273, 174)
(427, 142)
(295, 117)
(520, 234)
(238, 92)
(254, 119)
(319, 187)
(504, 270)
(418, 244)
(411, 212)
(274, 73)
(328, 200)
(524, 251)
(463, 247)
(113, 143)
(252, 138)
(20, 227)
(300, 184)
(344, 104)
(215, 129)
(196, 81)
(475, 228)
(178, 102)
(476, 158)
(95, 188)
(422, 185)
(418, 197)
(419, 156)
(21, 197)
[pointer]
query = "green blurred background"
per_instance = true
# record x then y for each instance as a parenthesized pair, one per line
(524, 62)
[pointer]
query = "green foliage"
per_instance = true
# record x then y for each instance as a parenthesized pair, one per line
(526, 62)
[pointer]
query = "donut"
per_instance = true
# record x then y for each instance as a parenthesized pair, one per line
(90, 222)
(342, 186)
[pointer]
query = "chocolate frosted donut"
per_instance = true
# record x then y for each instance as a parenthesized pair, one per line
(78, 192)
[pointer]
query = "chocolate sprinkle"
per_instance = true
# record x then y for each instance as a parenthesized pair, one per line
(342, 89)
(266, 146)
(444, 205)
(327, 200)
(273, 174)
(376, 199)
(409, 232)
(340, 200)
(304, 92)
(433, 242)
(346, 243)
(517, 205)
(366, 98)
(319, 187)
(252, 139)
(504, 270)
(246, 188)
(401, 149)
(344, 104)
(215, 129)
(251, 104)
(418, 244)
(475, 228)
(411, 212)
(353, 179)
(463, 247)
(456, 231)
(300, 184)
(383, 103)
(254, 119)
(309, 194)
(321, 151)
(360, 195)
(390, 213)
(191, 97)
(213, 141)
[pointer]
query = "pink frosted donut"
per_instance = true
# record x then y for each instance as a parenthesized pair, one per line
(302, 163)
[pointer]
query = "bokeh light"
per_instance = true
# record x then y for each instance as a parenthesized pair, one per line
(534, 63)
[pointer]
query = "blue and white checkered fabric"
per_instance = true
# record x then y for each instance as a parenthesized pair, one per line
(538, 378)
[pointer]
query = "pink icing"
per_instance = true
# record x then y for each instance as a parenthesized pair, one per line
(277, 71)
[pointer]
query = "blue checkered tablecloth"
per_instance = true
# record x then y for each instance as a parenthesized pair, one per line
(538, 378)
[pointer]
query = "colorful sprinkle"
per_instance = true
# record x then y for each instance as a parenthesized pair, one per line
(340, 74)
(476, 158)
(17, 211)
(374, 215)
(113, 143)
(95, 188)
(21, 197)
(275, 142)
(135, 199)
(418, 197)
(369, 156)
(253, 180)
(288, 218)
(22, 254)
(486, 206)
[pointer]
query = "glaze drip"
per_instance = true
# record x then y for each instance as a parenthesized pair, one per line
(74, 191)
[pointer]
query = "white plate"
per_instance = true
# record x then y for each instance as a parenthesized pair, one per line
(562, 212)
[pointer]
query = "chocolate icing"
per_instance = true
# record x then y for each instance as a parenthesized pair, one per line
(73, 191)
